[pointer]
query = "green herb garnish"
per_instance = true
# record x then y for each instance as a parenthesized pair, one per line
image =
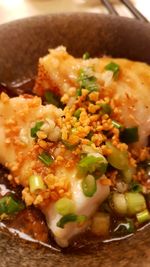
(135, 187)
(117, 124)
(89, 186)
(77, 113)
(51, 98)
(8, 205)
(114, 67)
(88, 82)
(36, 128)
(105, 109)
(129, 135)
(86, 55)
(68, 145)
(71, 218)
(143, 216)
(117, 159)
(65, 206)
(36, 183)
(46, 158)
(90, 164)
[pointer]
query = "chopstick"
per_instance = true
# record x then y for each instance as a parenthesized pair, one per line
(133, 9)
(137, 14)
(109, 7)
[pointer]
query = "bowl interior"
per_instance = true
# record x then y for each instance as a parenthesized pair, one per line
(21, 44)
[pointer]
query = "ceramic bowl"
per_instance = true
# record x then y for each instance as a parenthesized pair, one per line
(21, 44)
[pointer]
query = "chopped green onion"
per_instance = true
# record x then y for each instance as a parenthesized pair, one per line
(117, 124)
(124, 228)
(66, 219)
(91, 163)
(114, 67)
(8, 205)
(46, 158)
(65, 206)
(79, 92)
(129, 135)
(100, 224)
(128, 174)
(36, 128)
(89, 186)
(36, 183)
(90, 134)
(105, 109)
(77, 113)
(118, 203)
(88, 82)
(135, 202)
(118, 159)
(68, 145)
(51, 98)
(135, 187)
(143, 216)
(86, 55)
(71, 218)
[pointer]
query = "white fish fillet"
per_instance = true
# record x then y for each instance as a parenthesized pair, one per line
(23, 113)
(58, 72)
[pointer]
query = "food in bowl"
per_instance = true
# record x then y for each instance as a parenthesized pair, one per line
(79, 150)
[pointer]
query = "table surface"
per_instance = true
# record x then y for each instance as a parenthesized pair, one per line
(15, 9)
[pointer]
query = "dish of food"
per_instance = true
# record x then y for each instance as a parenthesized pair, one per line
(85, 165)
(75, 149)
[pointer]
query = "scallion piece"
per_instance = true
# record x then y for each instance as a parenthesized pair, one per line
(127, 174)
(68, 145)
(135, 187)
(118, 203)
(135, 202)
(66, 219)
(89, 186)
(86, 55)
(8, 205)
(117, 124)
(71, 218)
(114, 67)
(36, 128)
(89, 136)
(91, 163)
(88, 82)
(77, 113)
(79, 92)
(118, 159)
(129, 135)
(105, 109)
(36, 183)
(51, 98)
(46, 158)
(143, 216)
(65, 206)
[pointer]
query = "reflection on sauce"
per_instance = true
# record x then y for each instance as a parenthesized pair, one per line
(18, 88)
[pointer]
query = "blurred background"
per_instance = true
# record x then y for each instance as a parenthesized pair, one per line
(15, 9)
